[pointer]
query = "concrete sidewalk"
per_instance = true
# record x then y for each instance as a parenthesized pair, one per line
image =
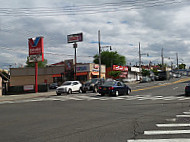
(26, 96)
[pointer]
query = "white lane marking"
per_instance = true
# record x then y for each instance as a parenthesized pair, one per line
(169, 98)
(160, 140)
(186, 113)
(175, 88)
(173, 125)
(171, 120)
(166, 132)
(182, 115)
(7, 102)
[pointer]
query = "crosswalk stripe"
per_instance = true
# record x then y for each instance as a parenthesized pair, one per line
(186, 113)
(173, 125)
(166, 132)
(160, 140)
(182, 115)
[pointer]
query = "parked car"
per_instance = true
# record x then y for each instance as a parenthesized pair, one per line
(69, 87)
(176, 75)
(187, 90)
(145, 79)
(53, 86)
(114, 88)
(92, 85)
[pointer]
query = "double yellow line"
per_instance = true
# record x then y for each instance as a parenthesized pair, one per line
(147, 88)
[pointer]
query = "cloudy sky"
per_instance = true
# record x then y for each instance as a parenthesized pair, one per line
(156, 24)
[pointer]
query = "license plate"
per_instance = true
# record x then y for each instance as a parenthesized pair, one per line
(104, 88)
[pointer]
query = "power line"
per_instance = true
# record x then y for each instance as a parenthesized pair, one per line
(86, 9)
(48, 53)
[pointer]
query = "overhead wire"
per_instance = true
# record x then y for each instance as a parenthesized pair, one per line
(85, 9)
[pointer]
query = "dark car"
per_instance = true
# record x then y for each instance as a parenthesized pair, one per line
(114, 88)
(53, 86)
(92, 85)
(187, 90)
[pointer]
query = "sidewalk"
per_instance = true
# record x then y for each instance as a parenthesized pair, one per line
(26, 96)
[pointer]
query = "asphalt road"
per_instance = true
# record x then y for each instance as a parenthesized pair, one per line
(92, 118)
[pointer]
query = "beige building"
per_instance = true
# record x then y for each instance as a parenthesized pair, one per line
(26, 76)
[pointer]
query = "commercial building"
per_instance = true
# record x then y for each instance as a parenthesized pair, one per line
(55, 73)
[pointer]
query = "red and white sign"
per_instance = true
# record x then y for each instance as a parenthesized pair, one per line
(36, 49)
(75, 38)
(120, 68)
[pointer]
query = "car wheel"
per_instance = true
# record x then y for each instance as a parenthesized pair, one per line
(95, 90)
(80, 90)
(128, 91)
(69, 91)
(58, 94)
(116, 93)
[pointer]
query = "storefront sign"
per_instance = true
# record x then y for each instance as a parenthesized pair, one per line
(75, 38)
(81, 68)
(95, 68)
(120, 68)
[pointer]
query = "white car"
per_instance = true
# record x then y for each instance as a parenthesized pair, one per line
(69, 87)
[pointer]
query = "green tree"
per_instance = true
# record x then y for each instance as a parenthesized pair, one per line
(182, 66)
(145, 72)
(110, 58)
(40, 64)
(114, 74)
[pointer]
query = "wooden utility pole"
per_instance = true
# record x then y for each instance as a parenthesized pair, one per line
(99, 54)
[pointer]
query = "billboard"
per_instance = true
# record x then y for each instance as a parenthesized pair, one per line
(120, 68)
(36, 49)
(74, 38)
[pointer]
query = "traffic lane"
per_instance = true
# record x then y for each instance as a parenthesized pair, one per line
(83, 120)
(168, 89)
(138, 86)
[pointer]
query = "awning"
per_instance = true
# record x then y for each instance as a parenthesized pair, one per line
(95, 73)
(56, 75)
(81, 73)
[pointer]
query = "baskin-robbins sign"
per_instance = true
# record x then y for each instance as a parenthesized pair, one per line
(36, 49)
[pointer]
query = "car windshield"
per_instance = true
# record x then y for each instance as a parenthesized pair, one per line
(66, 83)
(109, 83)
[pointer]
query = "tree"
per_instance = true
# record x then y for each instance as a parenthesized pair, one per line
(182, 66)
(40, 64)
(145, 72)
(114, 74)
(110, 58)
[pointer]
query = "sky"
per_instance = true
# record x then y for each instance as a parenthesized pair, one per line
(123, 24)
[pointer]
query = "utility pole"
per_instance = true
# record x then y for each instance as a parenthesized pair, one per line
(177, 60)
(99, 54)
(139, 56)
(162, 56)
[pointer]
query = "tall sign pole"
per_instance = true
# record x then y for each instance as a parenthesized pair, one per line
(36, 77)
(75, 72)
(36, 54)
(99, 54)
(73, 38)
